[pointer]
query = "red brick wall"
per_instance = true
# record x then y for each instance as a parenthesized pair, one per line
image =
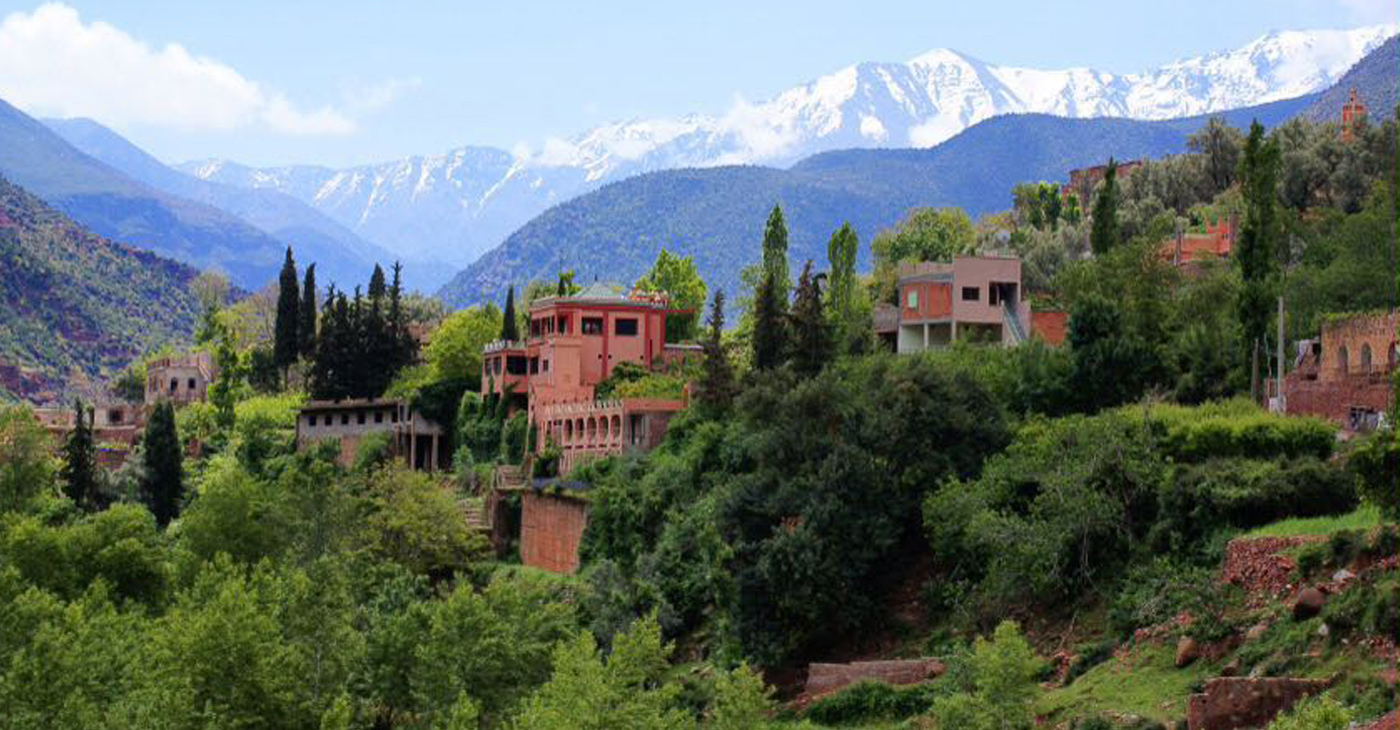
(1050, 326)
(1334, 399)
(550, 531)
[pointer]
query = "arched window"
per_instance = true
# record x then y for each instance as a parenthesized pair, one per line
(1342, 365)
(569, 432)
(617, 428)
(592, 429)
(1366, 357)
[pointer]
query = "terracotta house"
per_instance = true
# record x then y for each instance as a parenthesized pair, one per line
(974, 298)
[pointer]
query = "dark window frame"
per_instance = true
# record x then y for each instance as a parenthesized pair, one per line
(975, 291)
(633, 323)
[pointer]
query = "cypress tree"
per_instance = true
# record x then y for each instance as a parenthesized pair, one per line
(162, 485)
(841, 252)
(1259, 235)
(1105, 234)
(79, 471)
(769, 324)
(377, 289)
(715, 388)
(405, 347)
(811, 339)
(510, 329)
(323, 365)
(286, 344)
(306, 326)
(775, 247)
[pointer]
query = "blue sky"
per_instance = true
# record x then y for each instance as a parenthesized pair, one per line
(338, 83)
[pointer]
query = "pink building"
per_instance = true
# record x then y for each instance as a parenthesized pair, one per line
(976, 298)
(574, 344)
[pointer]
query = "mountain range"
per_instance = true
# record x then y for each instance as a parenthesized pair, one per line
(130, 197)
(76, 307)
(716, 215)
(455, 206)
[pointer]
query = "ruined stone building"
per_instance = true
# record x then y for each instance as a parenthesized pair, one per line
(180, 378)
(1345, 375)
(420, 442)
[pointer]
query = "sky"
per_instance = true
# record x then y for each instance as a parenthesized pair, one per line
(347, 82)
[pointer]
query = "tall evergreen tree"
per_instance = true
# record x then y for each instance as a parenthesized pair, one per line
(162, 484)
(406, 348)
(1258, 241)
(79, 471)
(715, 388)
(775, 249)
(1105, 234)
(306, 325)
(286, 344)
(841, 253)
(323, 365)
(510, 329)
(770, 334)
(811, 336)
(377, 289)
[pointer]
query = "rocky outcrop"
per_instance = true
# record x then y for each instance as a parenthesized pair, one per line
(826, 678)
(1258, 566)
(1246, 702)
(1187, 651)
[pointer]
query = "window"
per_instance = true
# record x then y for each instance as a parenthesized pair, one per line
(625, 327)
(394, 416)
(190, 383)
(517, 365)
(913, 299)
(592, 325)
(563, 324)
(114, 415)
(311, 420)
(360, 417)
(545, 366)
(174, 384)
(379, 416)
(971, 294)
(534, 365)
(345, 419)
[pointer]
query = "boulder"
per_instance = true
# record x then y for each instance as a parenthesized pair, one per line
(1308, 604)
(1343, 576)
(1237, 702)
(1187, 651)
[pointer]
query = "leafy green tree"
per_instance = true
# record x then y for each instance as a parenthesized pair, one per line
(924, 234)
(223, 392)
(849, 318)
(1220, 144)
(566, 286)
(1105, 235)
(1003, 672)
(677, 277)
(79, 471)
(455, 349)
(622, 692)
(1072, 212)
(742, 701)
(510, 328)
(1109, 363)
(716, 386)
(1376, 462)
(418, 525)
(770, 326)
(286, 343)
(306, 315)
(775, 253)
(1256, 249)
(811, 336)
(163, 482)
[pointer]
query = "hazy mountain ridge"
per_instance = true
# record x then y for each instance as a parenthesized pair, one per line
(76, 307)
(458, 205)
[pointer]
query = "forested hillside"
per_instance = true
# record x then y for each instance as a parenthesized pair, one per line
(76, 307)
(711, 214)
(1375, 79)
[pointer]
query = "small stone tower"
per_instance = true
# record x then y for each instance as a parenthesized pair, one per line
(1353, 110)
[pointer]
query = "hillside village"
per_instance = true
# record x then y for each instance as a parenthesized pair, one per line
(1121, 455)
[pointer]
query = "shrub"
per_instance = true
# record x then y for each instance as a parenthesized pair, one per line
(1237, 428)
(1344, 546)
(1385, 542)
(867, 701)
(1376, 462)
(1089, 656)
(1310, 560)
(1319, 712)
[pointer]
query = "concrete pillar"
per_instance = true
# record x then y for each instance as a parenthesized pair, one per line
(433, 465)
(925, 335)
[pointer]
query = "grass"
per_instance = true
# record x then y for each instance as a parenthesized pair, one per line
(1364, 517)
(1145, 683)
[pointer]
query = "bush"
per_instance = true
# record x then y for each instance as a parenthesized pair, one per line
(1376, 462)
(1203, 498)
(1237, 428)
(1385, 542)
(1319, 712)
(1311, 560)
(868, 701)
(1344, 546)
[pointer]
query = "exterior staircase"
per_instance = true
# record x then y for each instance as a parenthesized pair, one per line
(475, 514)
(1014, 325)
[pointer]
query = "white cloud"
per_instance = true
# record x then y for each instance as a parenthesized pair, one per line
(54, 64)
(376, 96)
(557, 153)
(872, 128)
(753, 125)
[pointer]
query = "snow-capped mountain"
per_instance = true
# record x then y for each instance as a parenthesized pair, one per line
(455, 206)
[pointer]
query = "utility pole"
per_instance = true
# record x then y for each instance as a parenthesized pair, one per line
(1282, 404)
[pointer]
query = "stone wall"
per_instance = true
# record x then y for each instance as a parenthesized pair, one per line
(551, 528)
(826, 678)
(1244, 702)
